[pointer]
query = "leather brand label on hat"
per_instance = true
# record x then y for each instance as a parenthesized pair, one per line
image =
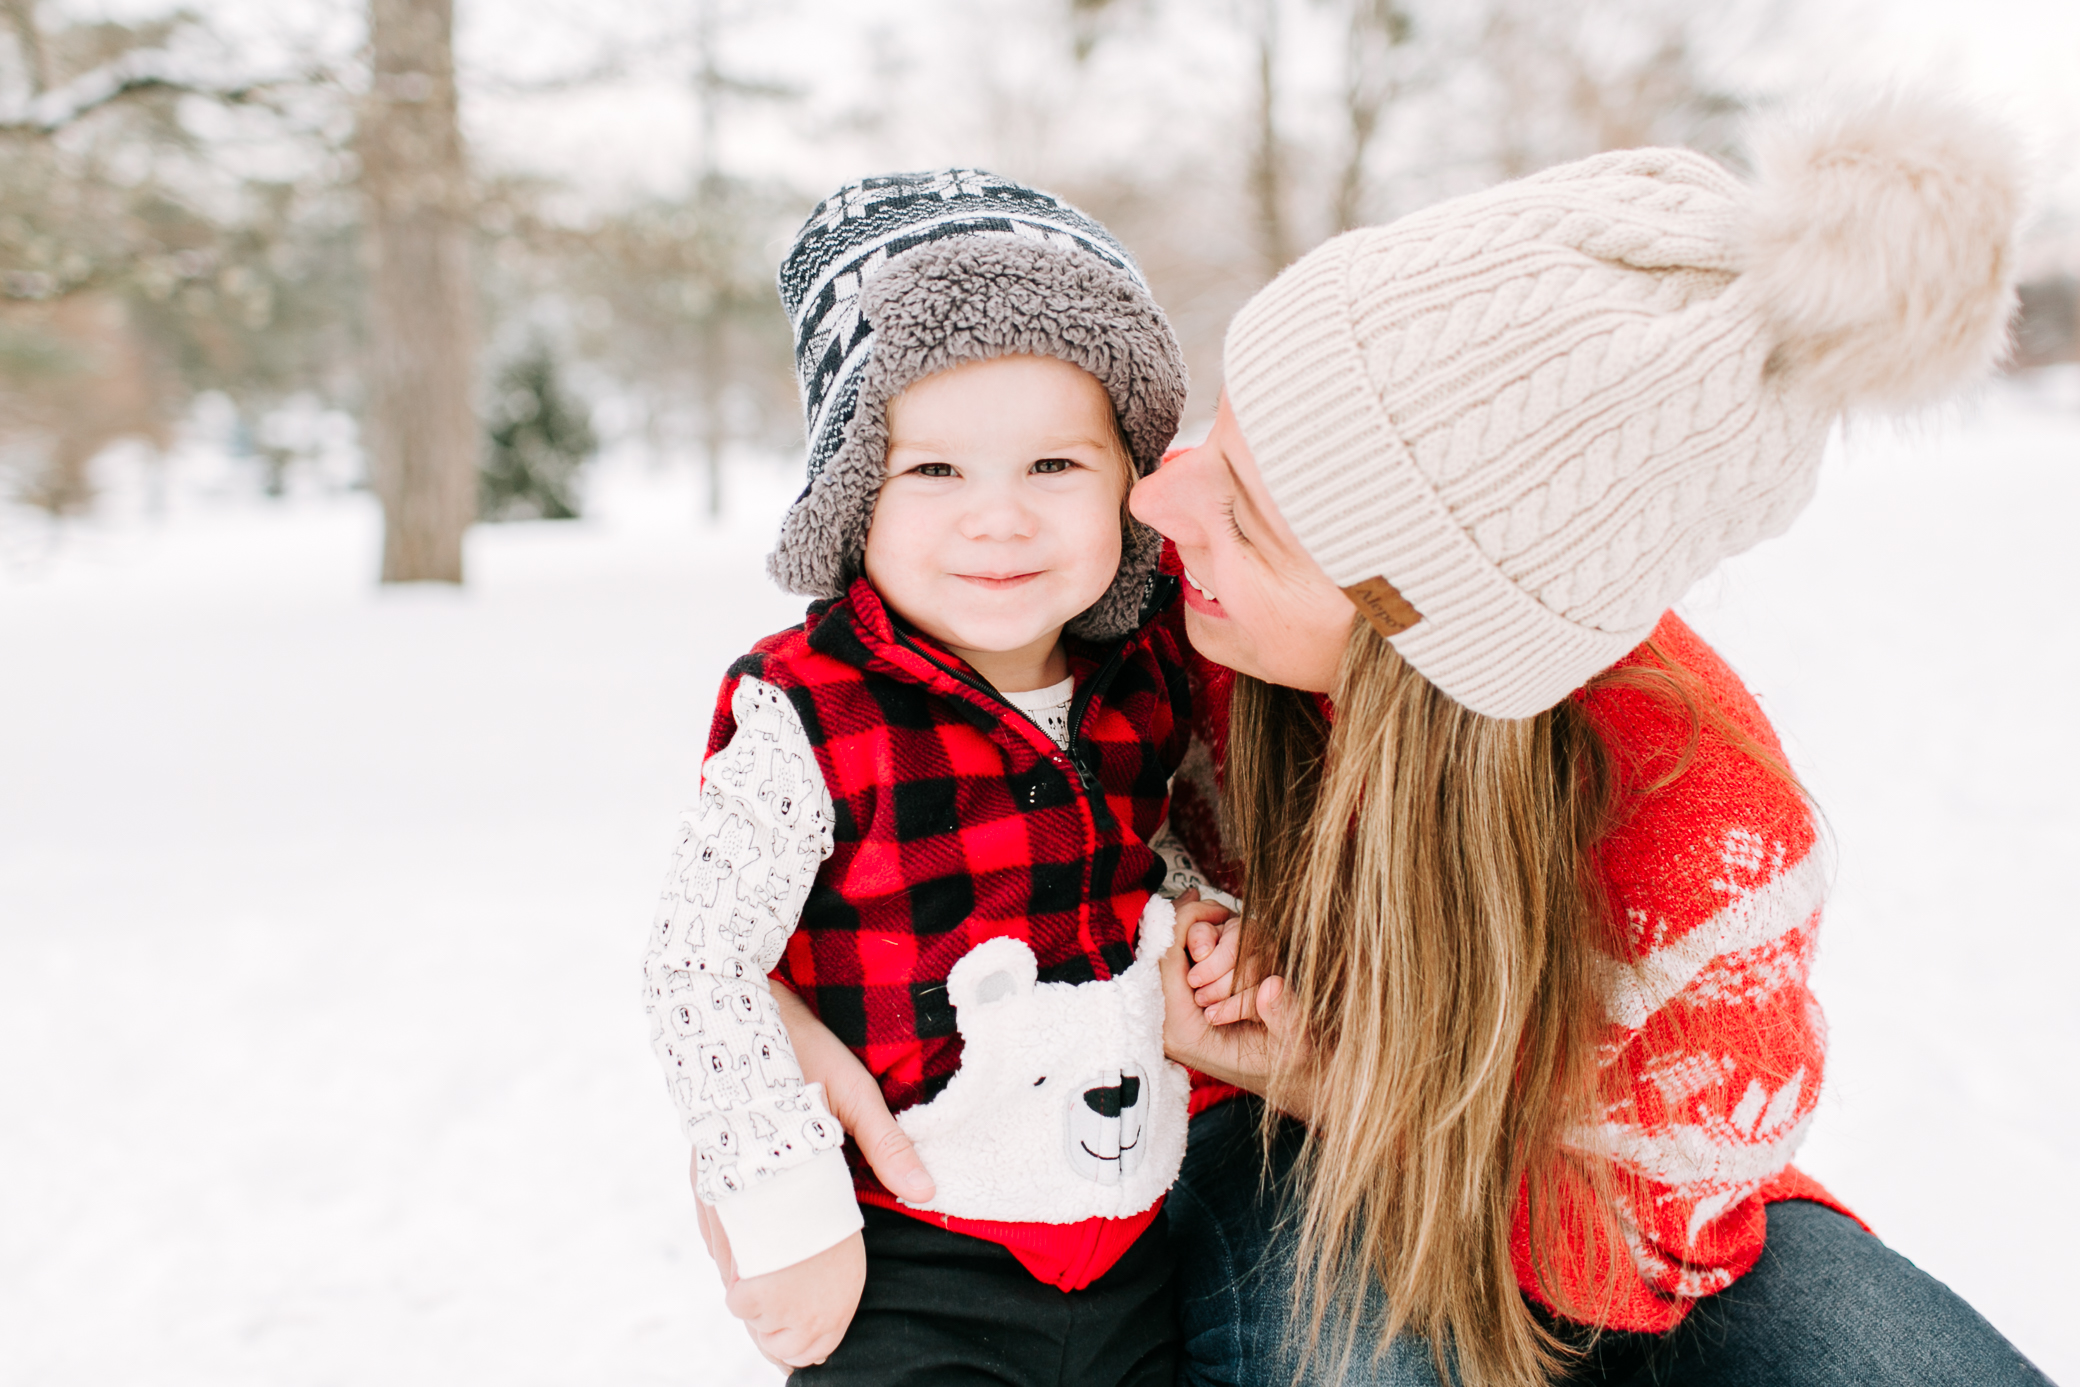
(1389, 612)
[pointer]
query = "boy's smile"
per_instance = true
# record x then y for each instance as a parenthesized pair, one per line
(999, 519)
(999, 580)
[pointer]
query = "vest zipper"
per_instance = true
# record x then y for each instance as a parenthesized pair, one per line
(1078, 706)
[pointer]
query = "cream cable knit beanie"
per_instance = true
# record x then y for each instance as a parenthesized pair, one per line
(1518, 425)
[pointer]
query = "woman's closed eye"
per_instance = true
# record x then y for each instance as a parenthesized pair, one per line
(1234, 526)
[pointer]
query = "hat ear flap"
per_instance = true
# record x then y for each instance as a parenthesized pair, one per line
(994, 971)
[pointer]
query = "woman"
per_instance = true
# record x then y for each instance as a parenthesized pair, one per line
(1533, 886)
(1528, 887)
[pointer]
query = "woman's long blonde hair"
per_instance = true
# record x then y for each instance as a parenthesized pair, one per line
(1421, 876)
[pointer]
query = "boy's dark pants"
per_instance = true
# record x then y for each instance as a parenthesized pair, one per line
(942, 1307)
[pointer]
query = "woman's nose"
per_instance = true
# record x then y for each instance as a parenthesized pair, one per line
(1160, 499)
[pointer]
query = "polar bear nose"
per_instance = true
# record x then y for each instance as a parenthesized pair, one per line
(1113, 1099)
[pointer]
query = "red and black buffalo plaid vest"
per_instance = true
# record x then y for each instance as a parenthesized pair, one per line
(958, 820)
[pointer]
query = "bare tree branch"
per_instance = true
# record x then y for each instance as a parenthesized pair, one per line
(602, 73)
(619, 67)
(128, 76)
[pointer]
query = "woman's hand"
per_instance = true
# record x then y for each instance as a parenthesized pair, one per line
(854, 1099)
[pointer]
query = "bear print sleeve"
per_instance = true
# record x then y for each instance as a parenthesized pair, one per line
(1181, 873)
(766, 1147)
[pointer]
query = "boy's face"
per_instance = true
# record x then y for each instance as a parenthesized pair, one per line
(999, 519)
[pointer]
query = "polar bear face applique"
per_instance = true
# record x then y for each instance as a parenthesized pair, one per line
(1064, 1107)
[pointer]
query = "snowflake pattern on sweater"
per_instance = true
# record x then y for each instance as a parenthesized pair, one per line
(1699, 1118)
(1715, 1048)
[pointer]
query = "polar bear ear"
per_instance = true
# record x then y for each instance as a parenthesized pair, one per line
(1158, 928)
(995, 970)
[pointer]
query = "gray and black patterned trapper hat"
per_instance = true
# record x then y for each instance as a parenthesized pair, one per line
(895, 278)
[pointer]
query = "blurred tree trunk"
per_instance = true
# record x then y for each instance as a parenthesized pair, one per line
(1266, 185)
(713, 437)
(708, 83)
(1370, 86)
(422, 428)
(28, 35)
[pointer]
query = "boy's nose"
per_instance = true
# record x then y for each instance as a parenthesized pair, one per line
(1000, 515)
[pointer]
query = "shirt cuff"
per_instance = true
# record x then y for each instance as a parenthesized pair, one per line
(791, 1216)
(1173, 888)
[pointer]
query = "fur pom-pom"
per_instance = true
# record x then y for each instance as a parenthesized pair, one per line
(1880, 248)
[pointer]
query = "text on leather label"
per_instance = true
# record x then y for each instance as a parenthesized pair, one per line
(1383, 605)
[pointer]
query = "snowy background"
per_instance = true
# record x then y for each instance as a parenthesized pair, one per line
(320, 1054)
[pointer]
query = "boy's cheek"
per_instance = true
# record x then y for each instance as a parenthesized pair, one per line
(1091, 526)
(900, 534)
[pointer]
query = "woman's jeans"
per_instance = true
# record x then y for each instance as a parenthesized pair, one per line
(1827, 1303)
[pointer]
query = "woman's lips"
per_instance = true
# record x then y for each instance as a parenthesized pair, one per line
(1200, 600)
(997, 582)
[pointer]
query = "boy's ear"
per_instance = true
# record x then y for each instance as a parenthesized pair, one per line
(996, 970)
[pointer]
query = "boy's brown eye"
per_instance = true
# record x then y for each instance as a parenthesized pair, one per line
(1052, 465)
(933, 469)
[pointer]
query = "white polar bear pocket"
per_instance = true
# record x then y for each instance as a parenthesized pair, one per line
(1063, 1108)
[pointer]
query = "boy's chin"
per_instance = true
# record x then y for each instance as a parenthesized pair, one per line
(1006, 639)
(1009, 622)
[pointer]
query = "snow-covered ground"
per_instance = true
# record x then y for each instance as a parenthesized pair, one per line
(320, 1059)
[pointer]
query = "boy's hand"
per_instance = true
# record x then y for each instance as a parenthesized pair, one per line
(1247, 1053)
(798, 1315)
(1212, 942)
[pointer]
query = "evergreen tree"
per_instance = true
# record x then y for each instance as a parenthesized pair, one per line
(539, 438)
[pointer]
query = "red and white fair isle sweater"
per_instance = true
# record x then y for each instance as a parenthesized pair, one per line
(1713, 1054)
